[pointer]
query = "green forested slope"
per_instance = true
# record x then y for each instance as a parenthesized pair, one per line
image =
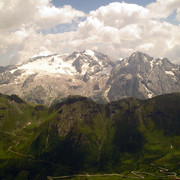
(80, 136)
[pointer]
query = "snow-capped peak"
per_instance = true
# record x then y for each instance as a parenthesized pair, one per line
(90, 73)
(77, 63)
(48, 64)
(89, 52)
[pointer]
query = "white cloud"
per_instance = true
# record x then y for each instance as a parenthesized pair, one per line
(14, 12)
(123, 28)
(21, 21)
(119, 14)
(117, 29)
(39, 13)
(130, 32)
(50, 16)
(146, 47)
(178, 14)
(164, 8)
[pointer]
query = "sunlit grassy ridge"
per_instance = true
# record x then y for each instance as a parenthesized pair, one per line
(79, 136)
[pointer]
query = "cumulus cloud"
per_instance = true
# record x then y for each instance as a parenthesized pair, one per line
(123, 28)
(43, 14)
(117, 29)
(22, 22)
(14, 12)
(52, 16)
(163, 9)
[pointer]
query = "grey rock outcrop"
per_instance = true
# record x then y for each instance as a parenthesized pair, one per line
(52, 78)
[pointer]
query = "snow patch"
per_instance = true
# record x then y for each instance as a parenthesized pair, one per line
(159, 62)
(126, 62)
(12, 71)
(77, 55)
(152, 63)
(175, 69)
(106, 92)
(150, 95)
(133, 54)
(145, 59)
(139, 76)
(49, 65)
(89, 52)
(169, 73)
(84, 68)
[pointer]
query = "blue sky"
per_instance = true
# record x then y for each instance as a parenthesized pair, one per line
(89, 5)
(30, 28)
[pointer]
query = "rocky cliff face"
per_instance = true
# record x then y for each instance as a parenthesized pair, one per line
(88, 73)
(144, 77)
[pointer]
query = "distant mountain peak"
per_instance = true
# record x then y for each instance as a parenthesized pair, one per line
(89, 73)
(140, 56)
(89, 52)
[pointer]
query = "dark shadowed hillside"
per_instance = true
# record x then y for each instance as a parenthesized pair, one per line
(80, 136)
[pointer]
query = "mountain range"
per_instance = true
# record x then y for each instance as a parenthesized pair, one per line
(128, 138)
(49, 79)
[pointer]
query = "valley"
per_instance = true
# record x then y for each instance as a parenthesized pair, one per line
(78, 138)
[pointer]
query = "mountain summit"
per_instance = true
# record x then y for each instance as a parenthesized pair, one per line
(143, 76)
(46, 79)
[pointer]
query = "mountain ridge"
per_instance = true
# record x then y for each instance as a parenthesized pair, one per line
(88, 73)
